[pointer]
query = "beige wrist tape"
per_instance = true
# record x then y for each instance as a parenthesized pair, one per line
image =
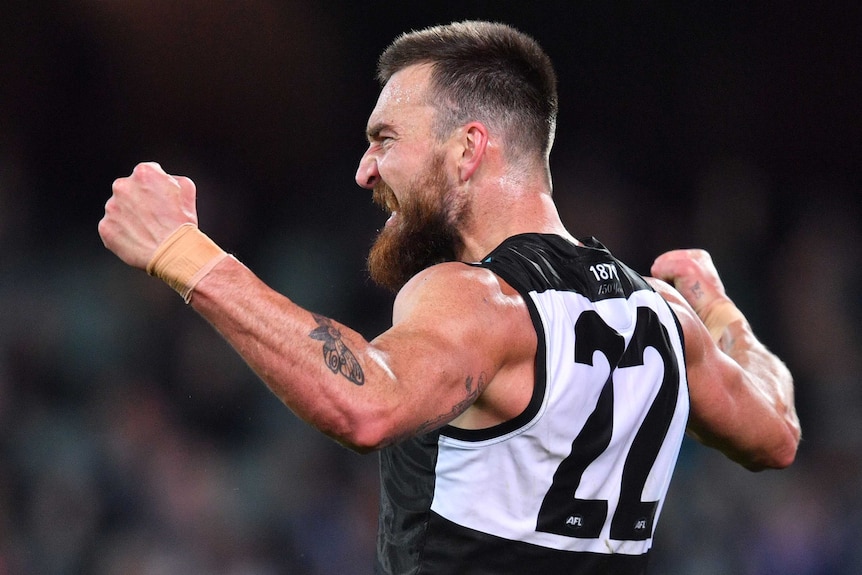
(184, 258)
(719, 316)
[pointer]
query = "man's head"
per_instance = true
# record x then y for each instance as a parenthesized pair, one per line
(450, 94)
(487, 72)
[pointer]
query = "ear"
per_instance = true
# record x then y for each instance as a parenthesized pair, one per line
(475, 144)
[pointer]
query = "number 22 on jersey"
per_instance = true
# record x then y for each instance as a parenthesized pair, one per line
(561, 511)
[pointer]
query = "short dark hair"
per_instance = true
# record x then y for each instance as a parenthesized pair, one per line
(483, 71)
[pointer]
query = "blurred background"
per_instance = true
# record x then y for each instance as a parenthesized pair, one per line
(132, 438)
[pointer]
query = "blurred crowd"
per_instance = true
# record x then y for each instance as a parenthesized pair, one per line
(134, 441)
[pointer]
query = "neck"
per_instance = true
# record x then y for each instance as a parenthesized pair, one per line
(512, 213)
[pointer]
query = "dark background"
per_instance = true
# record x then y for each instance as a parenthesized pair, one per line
(133, 440)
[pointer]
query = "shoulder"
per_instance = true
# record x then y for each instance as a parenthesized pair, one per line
(459, 305)
(455, 286)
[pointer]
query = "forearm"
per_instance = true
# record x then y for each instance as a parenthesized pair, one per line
(317, 368)
(770, 385)
(742, 400)
(741, 393)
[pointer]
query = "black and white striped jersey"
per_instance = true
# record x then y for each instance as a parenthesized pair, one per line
(574, 484)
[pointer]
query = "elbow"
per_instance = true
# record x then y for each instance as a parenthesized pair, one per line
(355, 447)
(775, 451)
(785, 459)
(785, 454)
(361, 444)
(776, 460)
(782, 453)
(363, 434)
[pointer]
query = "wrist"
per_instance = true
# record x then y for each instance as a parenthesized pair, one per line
(184, 258)
(719, 315)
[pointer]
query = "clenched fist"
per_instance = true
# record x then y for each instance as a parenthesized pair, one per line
(145, 208)
(694, 276)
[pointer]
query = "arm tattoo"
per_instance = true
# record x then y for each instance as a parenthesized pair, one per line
(338, 357)
(458, 408)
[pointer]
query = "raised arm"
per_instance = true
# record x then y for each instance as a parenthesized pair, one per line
(427, 370)
(741, 393)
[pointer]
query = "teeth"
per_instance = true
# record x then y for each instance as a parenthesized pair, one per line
(385, 198)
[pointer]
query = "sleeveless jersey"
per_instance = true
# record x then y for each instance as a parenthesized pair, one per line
(575, 483)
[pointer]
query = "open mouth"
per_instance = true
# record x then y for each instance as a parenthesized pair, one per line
(385, 198)
(391, 202)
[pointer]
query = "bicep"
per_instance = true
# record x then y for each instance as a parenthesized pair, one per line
(445, 346)
(434, 378)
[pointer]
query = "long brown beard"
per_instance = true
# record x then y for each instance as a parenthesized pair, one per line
(424, 235)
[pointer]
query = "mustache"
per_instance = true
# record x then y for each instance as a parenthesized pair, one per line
(383, 196)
